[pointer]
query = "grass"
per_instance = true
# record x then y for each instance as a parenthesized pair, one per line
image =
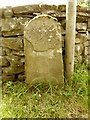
(45, 101)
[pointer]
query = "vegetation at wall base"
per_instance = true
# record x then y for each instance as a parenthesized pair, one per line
(46, 101)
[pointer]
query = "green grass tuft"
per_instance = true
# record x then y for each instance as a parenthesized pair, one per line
(46, 101)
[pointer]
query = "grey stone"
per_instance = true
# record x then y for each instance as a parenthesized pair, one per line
(48, 9)
(7, 78)
(43, 51)
(88, 34)
(78, 59)
(0, 24)
(0, 51)
(87, 43)
(21, 77)
(11, 27)
(1, 12)
(0, 71)
(89, 23)
(14, 43)
(86, 51)
(88, 9)
(26, 9)
(6, 51)
(4, 62)
(23, 21)
(0, 42)
(8, 12)
(81, 26)
(23, 60)
(12, 70)
(59, 15)
(18, 53)
(15, 61)
(77, 40)
(82, 14)
(78, 49)
(83, 37)
(15, 66)
(88, 30)
(61, 8)
(81, 9)
(81, 19)
(63, 23)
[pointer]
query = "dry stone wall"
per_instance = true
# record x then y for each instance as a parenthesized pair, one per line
(12, 23)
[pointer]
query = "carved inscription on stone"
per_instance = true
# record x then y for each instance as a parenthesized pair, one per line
(43, 51)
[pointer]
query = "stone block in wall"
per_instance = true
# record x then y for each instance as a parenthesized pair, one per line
(7, 78)
(88, 34)
(82, 14)
(0, 28)
(82, 37)
(89, 63)
(86, 52)
(48, 9)
(16, 65)
(27, 9)
(77, 40)
(89, 23)
(78, 49)
(6, 51)
(23, 60)
(63, 32)
(61, 8)
(12, 70)
(81, 9)
(0, 23)
(4, 62)
(81, 19)
(88, 9)
(1, 12)
(0, 71)
(63, 23)
(87, 43)
(0, 32)
(8, 11)
(18, 53)
(25, 15)
(81, 26)
(23, 21)
(78, 59)
(11, 27)
(0, 42)
(88, 30)
(14, 43)
(21, 77)
(59, 15)
(0, 51)
(15, 61)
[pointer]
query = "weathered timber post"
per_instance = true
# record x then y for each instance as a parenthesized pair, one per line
(70, 38)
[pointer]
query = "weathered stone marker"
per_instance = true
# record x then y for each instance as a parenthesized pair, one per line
(43, 51)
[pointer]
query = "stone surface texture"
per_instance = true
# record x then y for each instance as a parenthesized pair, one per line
(13, 20)
(43, 51)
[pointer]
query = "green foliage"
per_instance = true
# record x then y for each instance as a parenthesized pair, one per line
(85, 3)
(46, 101)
